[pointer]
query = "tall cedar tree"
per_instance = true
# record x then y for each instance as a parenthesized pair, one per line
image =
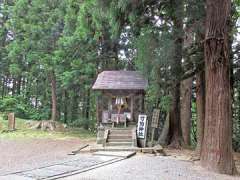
(216, 153)
(175, 126)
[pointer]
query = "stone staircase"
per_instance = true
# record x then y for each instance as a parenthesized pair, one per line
(121, 137)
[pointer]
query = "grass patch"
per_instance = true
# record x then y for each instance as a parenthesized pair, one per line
(23, 132)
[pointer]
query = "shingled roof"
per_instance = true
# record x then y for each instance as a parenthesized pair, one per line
(122, 80)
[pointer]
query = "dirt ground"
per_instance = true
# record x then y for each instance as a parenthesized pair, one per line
(189, 155)
(18, 155)
(177, 165)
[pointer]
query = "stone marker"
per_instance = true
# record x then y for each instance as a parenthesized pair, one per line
(11, 121)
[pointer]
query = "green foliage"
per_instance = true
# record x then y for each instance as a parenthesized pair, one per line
(87, 124)
(8, 104)
(165, 103)
(20, 107)
(23, 132)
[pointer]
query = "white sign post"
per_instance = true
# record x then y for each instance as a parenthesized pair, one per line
(142, 124)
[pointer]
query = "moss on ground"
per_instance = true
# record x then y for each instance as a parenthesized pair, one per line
(23, 131)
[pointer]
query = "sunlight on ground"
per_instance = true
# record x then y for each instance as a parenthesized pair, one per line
(24, 132)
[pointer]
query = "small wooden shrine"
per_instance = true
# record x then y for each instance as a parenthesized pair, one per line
(121, 98)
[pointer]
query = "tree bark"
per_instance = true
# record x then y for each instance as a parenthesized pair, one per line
(164, 134)
(200, 103)
(216, 153)
(87, 109)
(186, 113)
(65, 110)
(54, 96)
(175, 125)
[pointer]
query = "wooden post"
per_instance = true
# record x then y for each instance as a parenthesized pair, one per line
(152, 136)
(132, 104)
(11, 122)
(154, 123)
(97, 111)
(142, 103)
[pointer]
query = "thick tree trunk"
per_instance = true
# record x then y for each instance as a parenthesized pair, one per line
(175, 125)
(200, 103)
(216, 153)
(186, 113)
(54, 96)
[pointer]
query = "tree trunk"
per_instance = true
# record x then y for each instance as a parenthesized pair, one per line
(216, 153)
(75, 112)
(3, 87)
(186, 113)
(200, 103)
(88, 104)
(175, 125)
(164, 134)
(54, 96)
(19, 82)
(65, 105)
(14, 86)
(87, 109)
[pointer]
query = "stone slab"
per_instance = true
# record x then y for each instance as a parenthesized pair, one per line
(39, 173)
(116, 148)
(15, 177)
(62, 168)
(80, 163)
(123, 154)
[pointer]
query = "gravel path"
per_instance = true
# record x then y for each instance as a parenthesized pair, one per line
(146, 167)
(18, 155)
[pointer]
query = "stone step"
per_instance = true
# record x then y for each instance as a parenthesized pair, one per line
(119, 136)
(121, 129)
(120, 140)
(119, 144)
(120, 132)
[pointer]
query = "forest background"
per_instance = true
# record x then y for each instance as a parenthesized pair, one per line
(51, 52)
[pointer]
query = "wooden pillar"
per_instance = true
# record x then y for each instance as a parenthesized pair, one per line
(109, 104)
(97, 110)
(142, 103)
(132, 107)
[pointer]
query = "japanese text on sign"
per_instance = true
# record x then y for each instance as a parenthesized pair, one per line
(141, 128)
